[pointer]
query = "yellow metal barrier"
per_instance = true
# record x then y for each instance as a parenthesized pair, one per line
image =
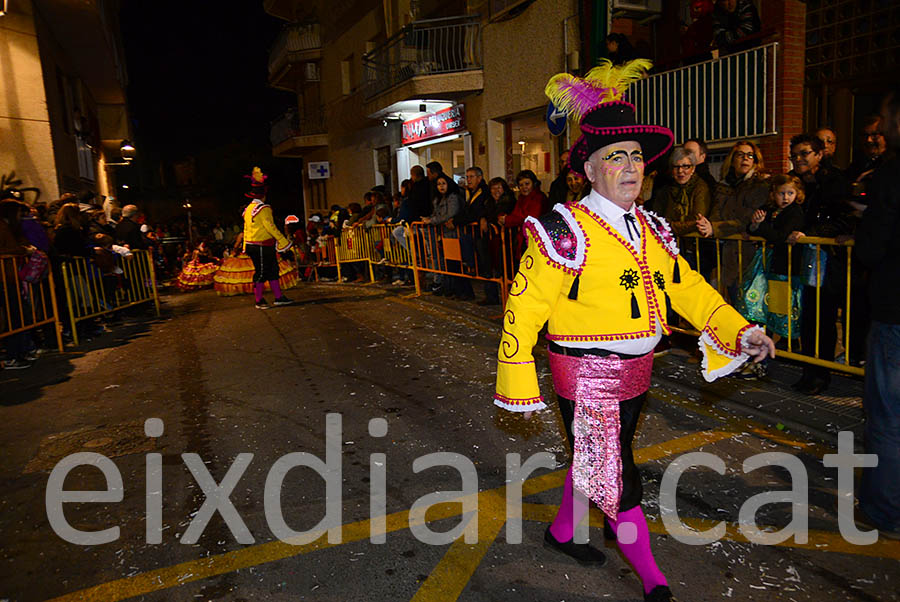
(819, 244)
(26, 306)
(439, 250)
(90, 293)
(387, 250)
(351, 247)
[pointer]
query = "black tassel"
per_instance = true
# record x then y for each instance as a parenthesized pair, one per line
(668, 306)
(573, 292)
(676, 273)
(635, 310)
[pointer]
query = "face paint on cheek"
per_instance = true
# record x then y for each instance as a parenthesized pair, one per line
(607, 170)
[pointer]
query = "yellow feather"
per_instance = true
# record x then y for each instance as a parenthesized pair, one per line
(617, 79)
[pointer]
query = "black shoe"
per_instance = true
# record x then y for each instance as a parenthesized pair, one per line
(816, 387)
(804, 383)
(660, 593)
(608, 533)
(262, 304)
(282, 300)
(581, 552)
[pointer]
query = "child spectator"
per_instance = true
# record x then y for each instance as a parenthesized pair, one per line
(768, 297)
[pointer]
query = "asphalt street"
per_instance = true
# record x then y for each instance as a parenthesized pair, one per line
(227, 380)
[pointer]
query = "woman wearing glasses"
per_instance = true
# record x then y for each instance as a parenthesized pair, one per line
(683, 201)
(741, 191)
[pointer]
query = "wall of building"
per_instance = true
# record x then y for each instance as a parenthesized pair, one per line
(24, 121)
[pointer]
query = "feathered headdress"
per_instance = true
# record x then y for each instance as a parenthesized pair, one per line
(597, 102)
(604, 83)
(257, 184)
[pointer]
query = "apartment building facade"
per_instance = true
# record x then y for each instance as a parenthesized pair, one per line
(63, 112)
(382, 86)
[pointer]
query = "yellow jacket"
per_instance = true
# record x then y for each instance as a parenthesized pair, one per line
(259, 227)
(621, 294)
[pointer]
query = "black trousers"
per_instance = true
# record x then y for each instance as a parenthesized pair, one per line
(629, 412)
(265, 262)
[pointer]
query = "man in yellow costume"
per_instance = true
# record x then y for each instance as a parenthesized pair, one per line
(262, 240)
(602, 272)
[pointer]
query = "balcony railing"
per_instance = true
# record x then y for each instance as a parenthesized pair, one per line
(294, 39)
(428, 47)
(291, 125)
(727, 98)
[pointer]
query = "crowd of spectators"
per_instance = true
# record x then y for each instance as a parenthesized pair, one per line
(39, 239)
(815, 199)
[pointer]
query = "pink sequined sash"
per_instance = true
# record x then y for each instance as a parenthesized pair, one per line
(597, 385)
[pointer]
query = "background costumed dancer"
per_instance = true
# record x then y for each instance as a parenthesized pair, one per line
(263, 241)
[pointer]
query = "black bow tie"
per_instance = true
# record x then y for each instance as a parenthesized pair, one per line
(631, 223)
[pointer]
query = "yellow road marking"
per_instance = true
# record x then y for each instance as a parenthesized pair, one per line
(448, 579)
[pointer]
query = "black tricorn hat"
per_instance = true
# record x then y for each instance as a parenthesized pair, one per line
(615, 121)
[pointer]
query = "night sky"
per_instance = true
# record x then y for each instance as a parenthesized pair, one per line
(198, 87)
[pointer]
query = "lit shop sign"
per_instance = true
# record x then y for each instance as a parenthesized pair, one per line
(434, 125)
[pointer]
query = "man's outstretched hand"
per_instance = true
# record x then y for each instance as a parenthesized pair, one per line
(759, 346)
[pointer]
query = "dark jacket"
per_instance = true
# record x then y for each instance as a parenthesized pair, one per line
(128, 232)
(70, 241)
(681, 204)
(419, 199)
(878, 243)
(473, 208)
(733, 205)
(826, 208)
(775, 230)
(729, 28)
(559, 188)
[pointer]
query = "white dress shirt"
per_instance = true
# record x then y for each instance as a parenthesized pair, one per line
(614, 215)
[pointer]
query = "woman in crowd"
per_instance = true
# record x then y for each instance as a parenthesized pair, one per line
(684, 200)
(445, 206)
(742, 190)
(575, 189)
(531, 203)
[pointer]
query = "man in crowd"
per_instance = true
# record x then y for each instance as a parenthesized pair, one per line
(874, 151)
(829, 139)
(878, 246)
(559, 188)
(432, 170)
(605, 305)
(128, 231)
(734, 20)
(697, 147)
(826, 214)
(419, 193)
(477, 196)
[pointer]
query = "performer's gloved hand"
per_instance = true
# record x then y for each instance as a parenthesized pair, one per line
(759, 346)
(284, 248)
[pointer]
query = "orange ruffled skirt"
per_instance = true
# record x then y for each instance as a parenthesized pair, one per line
(196, 275)
(235, 276)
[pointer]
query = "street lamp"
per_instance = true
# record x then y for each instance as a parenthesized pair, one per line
(127, 152)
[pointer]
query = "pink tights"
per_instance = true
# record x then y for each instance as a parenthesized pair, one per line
(630, 528)
(259, 287)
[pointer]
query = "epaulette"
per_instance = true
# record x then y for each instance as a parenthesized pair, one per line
(560, 239)
(259, 207)
(661, 230)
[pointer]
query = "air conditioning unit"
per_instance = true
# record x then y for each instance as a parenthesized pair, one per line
(637, 7)
(311, 72)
